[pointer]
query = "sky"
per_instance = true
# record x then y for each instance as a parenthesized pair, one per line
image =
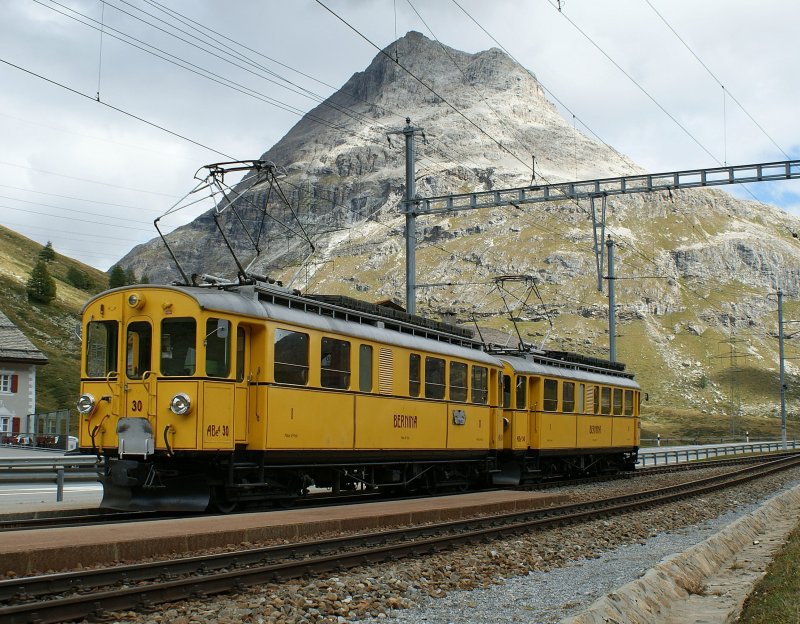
(99, 137)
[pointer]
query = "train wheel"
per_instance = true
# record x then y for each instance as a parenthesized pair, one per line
(220, 502)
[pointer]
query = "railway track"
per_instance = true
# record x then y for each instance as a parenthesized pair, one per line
(89, 593)
(96, 517)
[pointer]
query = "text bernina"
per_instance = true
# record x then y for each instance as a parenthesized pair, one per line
(404, 421)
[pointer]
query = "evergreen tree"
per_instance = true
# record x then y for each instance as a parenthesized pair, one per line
(145, 279)
(41, 287)
(79, 279)
(47, 254)
(117, 277)
(130, 277)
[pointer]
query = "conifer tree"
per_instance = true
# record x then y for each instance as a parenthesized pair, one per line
(41, 287)
(130, 277)
(117, 277)
(47, 254)
(79, 279)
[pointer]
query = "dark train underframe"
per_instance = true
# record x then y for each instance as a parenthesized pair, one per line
(225, 481)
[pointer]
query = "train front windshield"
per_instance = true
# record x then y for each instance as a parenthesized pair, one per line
(101, 348)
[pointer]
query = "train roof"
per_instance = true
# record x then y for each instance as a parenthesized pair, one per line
(574, 368)
(336, 314)
(359, 319)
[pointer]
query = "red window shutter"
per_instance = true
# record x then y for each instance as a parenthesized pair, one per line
(15, 424)
(14, 382)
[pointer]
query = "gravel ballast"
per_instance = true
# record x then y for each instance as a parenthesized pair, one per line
(539, 577)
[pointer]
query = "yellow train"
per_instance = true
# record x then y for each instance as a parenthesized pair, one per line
(219, 395)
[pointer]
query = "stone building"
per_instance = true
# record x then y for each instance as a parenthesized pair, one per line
(18, 362)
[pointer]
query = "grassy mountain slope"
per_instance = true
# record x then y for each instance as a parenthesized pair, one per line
(52, 328)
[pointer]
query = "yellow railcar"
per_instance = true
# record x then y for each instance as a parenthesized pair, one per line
(567, 414)
(220, 395)
(229, 394)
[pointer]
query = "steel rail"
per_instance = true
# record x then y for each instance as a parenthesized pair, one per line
(321, 556)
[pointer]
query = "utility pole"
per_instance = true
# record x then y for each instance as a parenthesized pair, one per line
(782, 369)
(411, 216)
(612, 329)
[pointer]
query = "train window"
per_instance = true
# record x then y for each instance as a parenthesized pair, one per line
(568, 397)
(101, 348)
(550, 395)
(365, 368)
(178, 340)
(458, 381)
(218, 348)
(335, 364)
(506, 390)
(618, 401)
(434, 378)
(596, 399)
(138, 341)
(605, 400)
(522, 394)
(581, 405)
(241, 350)
(413, 375)
(629, 403)
(291, 357)
(480, 385)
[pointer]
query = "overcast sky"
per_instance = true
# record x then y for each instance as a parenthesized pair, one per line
(91, 179)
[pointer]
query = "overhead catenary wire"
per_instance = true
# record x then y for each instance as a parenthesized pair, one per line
(536, 78)
(204, 29)
(425, 85)
(726, 91)
(509, 126)
(289, 85)
(115, 108)
(202, 72)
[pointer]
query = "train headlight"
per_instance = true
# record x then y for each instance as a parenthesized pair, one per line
(180, 404)
(135, 300)
(86, 403)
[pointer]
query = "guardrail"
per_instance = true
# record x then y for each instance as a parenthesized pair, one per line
(675, 456)
(20, 470)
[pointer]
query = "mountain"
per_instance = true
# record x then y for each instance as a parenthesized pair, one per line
(694, 267)
(51, 328)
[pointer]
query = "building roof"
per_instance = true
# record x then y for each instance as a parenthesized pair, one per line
(15, 347)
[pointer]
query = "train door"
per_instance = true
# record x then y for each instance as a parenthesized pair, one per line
(508, 414)
(138, 389)
(219, 390)
(241, 391)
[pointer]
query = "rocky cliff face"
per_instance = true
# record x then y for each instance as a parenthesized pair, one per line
(694, 267)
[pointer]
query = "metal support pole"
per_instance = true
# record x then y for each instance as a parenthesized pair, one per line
(612, 330)
(783, 376)
(411, 222)
(599, 224)
(60, 485)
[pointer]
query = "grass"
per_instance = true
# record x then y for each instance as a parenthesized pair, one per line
(775, 598)
(51, 328)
